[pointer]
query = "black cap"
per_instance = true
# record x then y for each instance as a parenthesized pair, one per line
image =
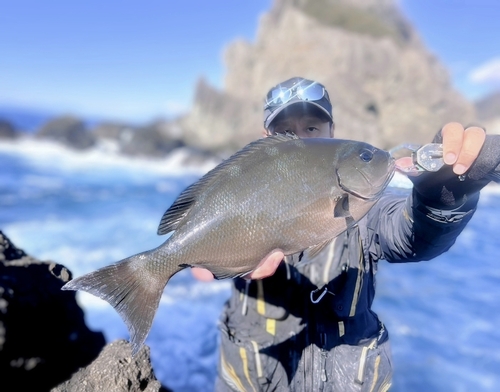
(293, 91)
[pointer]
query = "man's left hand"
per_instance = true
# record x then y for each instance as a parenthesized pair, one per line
(469, 156)
(461, 146)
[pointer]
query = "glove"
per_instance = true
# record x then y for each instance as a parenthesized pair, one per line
(444, 189)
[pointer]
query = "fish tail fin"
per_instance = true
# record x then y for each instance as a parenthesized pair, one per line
(133, 291)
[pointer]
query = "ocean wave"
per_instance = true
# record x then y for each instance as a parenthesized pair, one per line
(47, 154)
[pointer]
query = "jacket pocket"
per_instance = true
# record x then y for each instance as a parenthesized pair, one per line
(243, 366)
(364, 368)
(375, 367)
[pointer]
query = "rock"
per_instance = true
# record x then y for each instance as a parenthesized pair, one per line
(44, 342)
(148, 141)
(69, 131)
(7, 130)
(218, 121)
(110, 131)
(155, 140)
(115, 370)
(43, 336)
(488, 112)
(386, 87)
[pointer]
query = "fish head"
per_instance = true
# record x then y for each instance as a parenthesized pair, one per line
(364, 171)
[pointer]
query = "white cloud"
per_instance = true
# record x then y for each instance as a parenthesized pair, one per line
(488, 72)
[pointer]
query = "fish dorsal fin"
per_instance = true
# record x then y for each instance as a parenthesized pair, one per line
(183, 204)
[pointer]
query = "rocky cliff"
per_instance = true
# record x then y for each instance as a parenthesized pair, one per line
(386, 87)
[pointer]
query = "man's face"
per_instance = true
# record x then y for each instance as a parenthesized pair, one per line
(304, 125)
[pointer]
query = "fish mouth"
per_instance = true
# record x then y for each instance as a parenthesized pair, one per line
(380, 188)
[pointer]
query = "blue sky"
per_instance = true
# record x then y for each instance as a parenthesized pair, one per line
(135, 60)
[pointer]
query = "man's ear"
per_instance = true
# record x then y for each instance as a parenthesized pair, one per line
(332, 129)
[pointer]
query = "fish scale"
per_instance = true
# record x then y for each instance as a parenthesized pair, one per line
(276, 193)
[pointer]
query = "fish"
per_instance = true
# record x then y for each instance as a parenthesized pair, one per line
(278, 192)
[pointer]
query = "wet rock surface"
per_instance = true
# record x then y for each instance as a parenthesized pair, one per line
(44, 339)
(115, 370)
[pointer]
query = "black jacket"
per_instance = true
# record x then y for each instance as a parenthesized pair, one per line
(325, 302)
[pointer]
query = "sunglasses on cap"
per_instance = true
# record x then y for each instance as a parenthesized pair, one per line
(310, 91)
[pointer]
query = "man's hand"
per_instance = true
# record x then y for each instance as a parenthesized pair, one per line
(202, 274)
(266, 267)
(461, 146)
(470, 158)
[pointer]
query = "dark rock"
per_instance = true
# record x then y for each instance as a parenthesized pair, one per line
(115, 370)
(69, 131)
(43, 337)
(44, 342)
(7, 130)
(155, 140)
(110, 131)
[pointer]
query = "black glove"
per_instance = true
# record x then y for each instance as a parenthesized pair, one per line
(445, 189)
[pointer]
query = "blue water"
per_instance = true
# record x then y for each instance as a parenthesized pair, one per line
(88, 210)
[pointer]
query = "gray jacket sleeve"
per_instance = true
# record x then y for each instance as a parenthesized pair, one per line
(403, 229)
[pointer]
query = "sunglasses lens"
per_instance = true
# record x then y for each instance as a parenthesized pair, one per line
(278, 96)
(281, 95)
(313, 92)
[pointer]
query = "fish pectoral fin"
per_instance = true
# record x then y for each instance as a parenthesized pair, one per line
(313, 251)
(341, 209)
(177, 211)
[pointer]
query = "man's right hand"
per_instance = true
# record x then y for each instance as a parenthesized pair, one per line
(267, 267)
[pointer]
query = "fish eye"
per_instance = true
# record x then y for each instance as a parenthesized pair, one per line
(366, 155)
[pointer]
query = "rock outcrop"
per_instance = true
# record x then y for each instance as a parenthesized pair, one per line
(7, 130)
(154, 140)
(115, 370)
(69, 131)
(43, 336)
(44, 339)
(386, 87)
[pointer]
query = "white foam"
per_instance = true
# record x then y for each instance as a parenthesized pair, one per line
(400, 181)
(194, 290)
(48, 154)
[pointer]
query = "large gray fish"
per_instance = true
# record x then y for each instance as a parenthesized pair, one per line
(278, 192)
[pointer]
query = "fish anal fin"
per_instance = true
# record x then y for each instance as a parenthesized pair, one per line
(221, 272)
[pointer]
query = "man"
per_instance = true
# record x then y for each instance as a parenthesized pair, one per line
(309, 325)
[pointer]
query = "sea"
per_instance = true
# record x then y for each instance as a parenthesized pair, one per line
(86, 210)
